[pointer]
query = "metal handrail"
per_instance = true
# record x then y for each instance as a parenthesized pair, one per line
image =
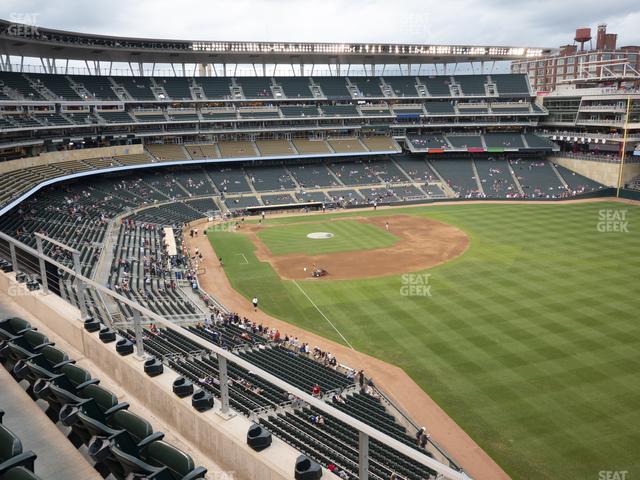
(411, 422)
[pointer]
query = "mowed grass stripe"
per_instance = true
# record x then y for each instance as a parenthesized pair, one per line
(530, 340)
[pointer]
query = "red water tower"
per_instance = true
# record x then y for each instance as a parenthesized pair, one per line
(583, 35)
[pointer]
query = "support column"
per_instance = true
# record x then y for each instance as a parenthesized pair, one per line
(14, 257)
(224, 384)
(137, 329)
(80, 286)
(43, 268)
(363, 456)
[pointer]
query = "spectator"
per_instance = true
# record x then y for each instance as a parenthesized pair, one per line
(419, 434)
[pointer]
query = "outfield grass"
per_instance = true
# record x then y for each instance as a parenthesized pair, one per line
(530, 341)
(349, 236)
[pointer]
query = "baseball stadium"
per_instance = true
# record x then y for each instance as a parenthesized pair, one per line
(280, 260)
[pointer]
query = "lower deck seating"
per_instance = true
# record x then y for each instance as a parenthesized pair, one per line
(355, 172)
(347, 197)
(538, 179)
(297, 369)
(78, 213)
(496, 179)
(578, 183)
(415, 167)
(313, 175)
(459, 175)
(335, 442)
(242, 202)
(207, 206)
(270, 178)
(278, 199)
(228, 180)
(304, 197)
(142, 267)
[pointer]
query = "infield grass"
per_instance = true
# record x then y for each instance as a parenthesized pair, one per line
(530, 341)
(348, 236)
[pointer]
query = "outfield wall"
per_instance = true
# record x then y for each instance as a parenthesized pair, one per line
(630, 194)
(604, 193)
(603, 172)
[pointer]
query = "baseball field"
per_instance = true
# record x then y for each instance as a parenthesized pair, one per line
(527, 333)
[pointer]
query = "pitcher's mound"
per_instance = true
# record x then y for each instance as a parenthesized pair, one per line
(423, 243)
(320, 235)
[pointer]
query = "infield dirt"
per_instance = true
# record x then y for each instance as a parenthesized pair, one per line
(423, 244)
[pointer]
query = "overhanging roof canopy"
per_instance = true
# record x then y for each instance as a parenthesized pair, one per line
(33, 41)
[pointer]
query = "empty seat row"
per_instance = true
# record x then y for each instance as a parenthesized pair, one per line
(15, 463)
(120, 442)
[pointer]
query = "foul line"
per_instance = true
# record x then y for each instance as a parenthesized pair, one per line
(246, 262)
(323, 315)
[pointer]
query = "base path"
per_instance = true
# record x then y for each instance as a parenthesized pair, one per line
(396, 383)
(423, 244)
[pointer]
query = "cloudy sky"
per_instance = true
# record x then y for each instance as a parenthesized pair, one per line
(544, 23)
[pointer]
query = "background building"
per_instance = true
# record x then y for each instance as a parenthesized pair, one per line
(580, 61)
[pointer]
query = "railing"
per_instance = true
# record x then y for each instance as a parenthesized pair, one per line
(563, 92)
(214, 302)
(577, 134)
(614, 123)
(431, 443)
(601, 108)
(51, 272)
(186, 318)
